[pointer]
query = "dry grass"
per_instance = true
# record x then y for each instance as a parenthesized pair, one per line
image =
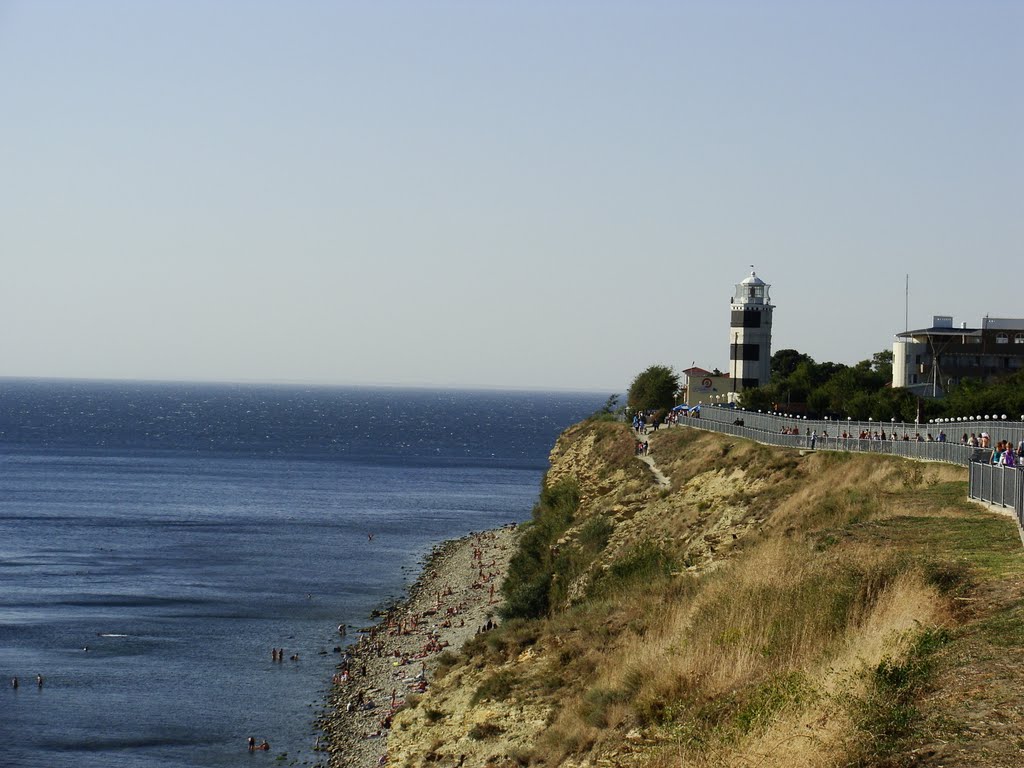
(756, 653)
(823, 580)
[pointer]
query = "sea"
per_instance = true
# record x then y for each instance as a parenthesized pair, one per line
(158, 540)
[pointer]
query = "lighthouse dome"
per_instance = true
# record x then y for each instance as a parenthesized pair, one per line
(751, 290)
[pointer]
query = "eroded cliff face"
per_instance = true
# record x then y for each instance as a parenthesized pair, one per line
(743, 608)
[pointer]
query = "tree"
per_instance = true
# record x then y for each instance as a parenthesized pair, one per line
(785, 361)
(972, 397)
(607, 413)
(881, 362)
(653, 389)
(864, 390)
(829, 388)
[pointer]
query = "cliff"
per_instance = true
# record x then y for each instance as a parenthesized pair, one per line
(746, 606)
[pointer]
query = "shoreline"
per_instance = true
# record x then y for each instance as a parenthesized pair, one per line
(456, 594)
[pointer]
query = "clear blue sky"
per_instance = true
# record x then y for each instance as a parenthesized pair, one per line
(524, 194)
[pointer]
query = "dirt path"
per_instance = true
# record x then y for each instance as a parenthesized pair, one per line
(659, 476)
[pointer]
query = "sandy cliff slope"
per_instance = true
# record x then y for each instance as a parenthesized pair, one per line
(743, 606)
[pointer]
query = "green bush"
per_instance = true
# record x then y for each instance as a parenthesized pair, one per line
(645, 563)
(497, 687)
(593, 536)
(596, 704)
(889, 715)
(527, 588)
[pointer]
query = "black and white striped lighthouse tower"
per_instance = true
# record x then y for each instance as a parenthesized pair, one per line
(750, 348)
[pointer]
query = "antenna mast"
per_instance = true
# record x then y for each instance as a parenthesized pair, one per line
(906, 306)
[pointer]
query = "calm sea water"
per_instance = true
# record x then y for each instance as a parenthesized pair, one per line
(179, 532)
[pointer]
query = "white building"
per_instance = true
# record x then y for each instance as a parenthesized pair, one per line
(928, 361)
(750, 348)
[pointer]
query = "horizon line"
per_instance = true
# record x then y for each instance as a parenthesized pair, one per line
(316, 384)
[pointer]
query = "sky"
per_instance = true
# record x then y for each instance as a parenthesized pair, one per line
(544, 195)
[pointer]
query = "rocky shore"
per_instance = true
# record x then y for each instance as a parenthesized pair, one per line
(456, 596)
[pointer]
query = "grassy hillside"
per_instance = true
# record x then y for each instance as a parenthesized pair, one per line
(763, 607)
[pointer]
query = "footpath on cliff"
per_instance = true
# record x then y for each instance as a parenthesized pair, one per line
(647, 458)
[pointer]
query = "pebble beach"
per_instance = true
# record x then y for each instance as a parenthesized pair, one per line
(456, 596)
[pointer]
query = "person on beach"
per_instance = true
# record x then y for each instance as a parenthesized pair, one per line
(252, 744)
(39, 681)
(14, 683)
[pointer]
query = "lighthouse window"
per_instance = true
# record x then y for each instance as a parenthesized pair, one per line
(1019, 338)
(1002, 338)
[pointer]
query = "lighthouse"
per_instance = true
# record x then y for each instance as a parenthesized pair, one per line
(750, 347)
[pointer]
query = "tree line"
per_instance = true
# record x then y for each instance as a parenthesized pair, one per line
(800, 384)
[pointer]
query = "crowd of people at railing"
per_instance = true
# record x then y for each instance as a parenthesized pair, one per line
(895, 436)
(1003, 452)
(1005, 455)
(866, 434)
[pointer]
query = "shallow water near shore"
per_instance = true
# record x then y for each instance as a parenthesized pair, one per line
(180, 532)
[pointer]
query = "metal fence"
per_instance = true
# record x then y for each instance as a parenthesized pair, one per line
(994, 484)
(998, 427)
(998, 485)
(950, 452)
